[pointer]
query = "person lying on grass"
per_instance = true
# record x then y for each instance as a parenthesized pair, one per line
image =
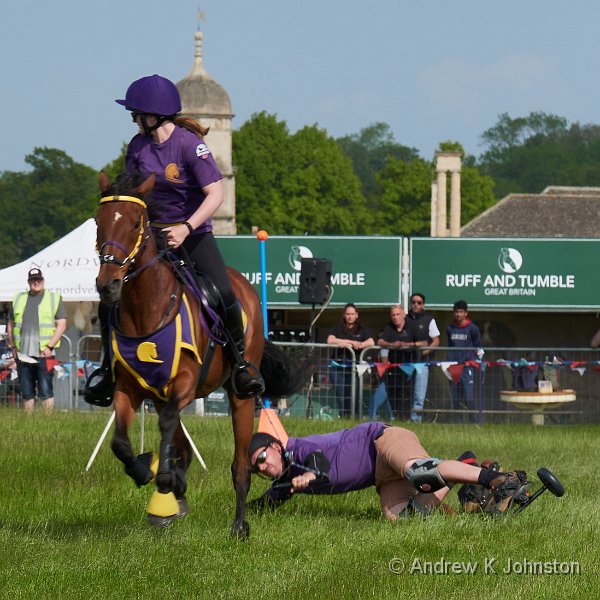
(392, 459)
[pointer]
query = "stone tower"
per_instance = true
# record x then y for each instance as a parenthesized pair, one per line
(207, 101)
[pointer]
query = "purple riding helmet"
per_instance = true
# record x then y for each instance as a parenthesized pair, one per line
(154, 95)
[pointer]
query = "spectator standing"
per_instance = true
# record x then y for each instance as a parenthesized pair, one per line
(397, 343)
(348, 334)
(36, 323)
(464, 336)
(427, 335)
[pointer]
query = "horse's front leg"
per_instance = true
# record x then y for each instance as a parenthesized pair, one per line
(137, 467)
(168, 502)
(242, 414)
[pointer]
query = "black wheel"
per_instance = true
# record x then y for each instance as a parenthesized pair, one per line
(551, 482)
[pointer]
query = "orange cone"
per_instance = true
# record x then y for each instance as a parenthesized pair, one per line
(268, 422)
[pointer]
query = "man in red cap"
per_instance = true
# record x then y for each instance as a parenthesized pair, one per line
(36, 323)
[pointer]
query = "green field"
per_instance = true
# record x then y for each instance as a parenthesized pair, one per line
(66, 533)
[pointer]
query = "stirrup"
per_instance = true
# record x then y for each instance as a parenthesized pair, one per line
(98, 390)
(246, 385)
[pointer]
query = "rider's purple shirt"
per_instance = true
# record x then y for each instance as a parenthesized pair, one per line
(351, 454)
(183, 165)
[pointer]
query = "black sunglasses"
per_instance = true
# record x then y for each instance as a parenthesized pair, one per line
(416, 301)
(136, 114)
(261, 458)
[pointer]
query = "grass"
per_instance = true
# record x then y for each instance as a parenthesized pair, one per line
(67, 533)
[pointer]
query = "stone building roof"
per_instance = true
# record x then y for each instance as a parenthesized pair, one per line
(558, 212)
(200, 93)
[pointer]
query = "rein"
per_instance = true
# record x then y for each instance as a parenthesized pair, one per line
(139, 246)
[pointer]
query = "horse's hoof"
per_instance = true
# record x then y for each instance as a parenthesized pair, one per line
(162, 509)
(162, 522)
(184, 509)
(240, 530)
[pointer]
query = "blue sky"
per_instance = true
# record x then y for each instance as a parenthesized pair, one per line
(433, 70)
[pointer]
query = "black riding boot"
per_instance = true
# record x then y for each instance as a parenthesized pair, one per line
(245, 377)
(99, 387)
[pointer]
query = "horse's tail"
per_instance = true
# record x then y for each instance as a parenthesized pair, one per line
(284, 374)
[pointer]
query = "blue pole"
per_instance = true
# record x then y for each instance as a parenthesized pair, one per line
(262, 237)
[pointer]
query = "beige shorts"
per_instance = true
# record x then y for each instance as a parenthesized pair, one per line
(395, 447)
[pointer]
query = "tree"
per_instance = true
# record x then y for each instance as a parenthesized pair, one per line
(292, 184)
(527, 154)
(404, 206)
(47, 202)
(117, 166)
(370, 149)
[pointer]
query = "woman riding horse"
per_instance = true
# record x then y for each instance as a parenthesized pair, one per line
(185, 196)
(162, 347)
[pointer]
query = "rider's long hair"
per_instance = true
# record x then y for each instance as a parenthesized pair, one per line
(192, 125)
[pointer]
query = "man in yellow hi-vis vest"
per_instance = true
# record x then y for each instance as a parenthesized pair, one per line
(36, 323)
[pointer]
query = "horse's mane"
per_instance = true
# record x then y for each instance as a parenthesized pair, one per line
(125, 184)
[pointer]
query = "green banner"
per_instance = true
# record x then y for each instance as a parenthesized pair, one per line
(366, 271)
(518, 273)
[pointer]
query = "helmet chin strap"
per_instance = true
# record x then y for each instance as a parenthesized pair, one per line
(159, 121)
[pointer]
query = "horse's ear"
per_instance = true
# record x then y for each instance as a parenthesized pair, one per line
(146, 186)
(103, 181)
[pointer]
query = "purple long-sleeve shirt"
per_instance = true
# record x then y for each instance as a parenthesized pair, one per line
(351, 455)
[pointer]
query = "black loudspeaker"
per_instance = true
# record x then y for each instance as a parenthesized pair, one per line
(315, 279)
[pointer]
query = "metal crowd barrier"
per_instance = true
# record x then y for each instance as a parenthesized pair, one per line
(500, 370)
(343, 386)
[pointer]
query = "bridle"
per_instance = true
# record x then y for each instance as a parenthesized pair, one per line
(142, 241)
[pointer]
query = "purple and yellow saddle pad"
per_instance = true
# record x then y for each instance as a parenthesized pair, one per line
(154, 359)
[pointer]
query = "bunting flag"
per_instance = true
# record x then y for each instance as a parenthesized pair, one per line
(383, 367)
(445, 366)
(456, 372)
(577, 363)
(362, 367)
(407, 368)
(419, 367)
(51, 363)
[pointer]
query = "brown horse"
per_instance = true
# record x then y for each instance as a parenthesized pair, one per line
(152, 300)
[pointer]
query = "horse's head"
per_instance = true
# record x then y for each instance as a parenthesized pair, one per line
(123, 230)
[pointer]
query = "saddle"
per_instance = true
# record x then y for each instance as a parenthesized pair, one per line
(212, 307)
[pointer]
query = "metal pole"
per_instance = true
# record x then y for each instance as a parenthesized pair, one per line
(100, 441)
(262, 237)
(142, 425)
(196, 452)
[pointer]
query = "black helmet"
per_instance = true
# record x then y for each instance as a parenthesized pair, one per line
(260, 440)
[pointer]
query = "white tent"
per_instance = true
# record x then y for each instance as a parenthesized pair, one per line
(69, 265)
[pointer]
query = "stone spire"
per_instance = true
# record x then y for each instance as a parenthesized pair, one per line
(207, 101)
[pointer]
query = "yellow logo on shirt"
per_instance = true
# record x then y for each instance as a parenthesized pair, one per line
(172, 173)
